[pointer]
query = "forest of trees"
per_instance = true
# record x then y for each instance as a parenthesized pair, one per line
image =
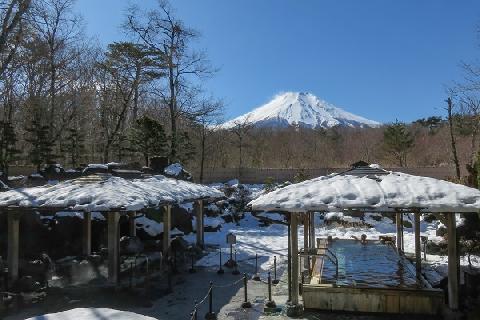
(66, 99)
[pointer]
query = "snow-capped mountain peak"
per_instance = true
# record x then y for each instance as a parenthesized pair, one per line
(300, 108)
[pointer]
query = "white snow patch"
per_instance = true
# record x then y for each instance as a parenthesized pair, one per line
(92, 314)
(174, 169)
(152, 227)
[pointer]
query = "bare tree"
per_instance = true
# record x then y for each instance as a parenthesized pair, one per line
(453, 141)
(241, 130)
(171, 39)
(208, 117)
(12, 13)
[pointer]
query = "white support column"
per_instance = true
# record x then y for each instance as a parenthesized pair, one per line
(167, 225)
(398, 220)
(87, 234)
(132, 225)
(13, 221)
(418, 250)
(295, 262)
(453, 290)
(113, 219)
(198, 207)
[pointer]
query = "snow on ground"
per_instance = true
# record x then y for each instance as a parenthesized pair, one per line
(92, 314)
(150, 226)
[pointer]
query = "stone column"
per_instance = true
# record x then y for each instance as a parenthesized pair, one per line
(132, 225)
(167, 224)
(198, 207)
(87, 234)
(113, 219)
(452, 262)
(398, 220)
(13, 221)
(418, 250)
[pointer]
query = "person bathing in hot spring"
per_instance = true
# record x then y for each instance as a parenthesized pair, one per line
(363, 238)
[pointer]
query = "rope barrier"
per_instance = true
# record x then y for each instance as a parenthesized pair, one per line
(228, 285)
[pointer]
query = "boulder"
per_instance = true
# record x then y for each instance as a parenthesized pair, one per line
(27, 284)
(181, 219)
(441, 231)
(131, 245)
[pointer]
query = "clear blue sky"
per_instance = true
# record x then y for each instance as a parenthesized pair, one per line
(381, 59)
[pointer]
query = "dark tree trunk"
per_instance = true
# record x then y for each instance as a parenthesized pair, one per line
(452, 137)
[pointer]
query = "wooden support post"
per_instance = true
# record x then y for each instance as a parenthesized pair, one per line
(312, 230)
(132, 225)
(306, 245)
(113, 219)
(294, 250)
(398, 220)
(402, 226)
(13, 221)
(87, 234)
(167, 225)
(418, 250)
(453, 301)
(198, 206)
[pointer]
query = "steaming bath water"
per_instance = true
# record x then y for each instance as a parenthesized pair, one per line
(372, 264)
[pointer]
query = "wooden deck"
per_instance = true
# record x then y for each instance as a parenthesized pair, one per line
(318, 262)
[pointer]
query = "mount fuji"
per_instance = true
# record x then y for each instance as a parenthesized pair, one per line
(300, 109)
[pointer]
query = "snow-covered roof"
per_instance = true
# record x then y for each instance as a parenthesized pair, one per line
(381, 191)
(92, 314)
(104, 193)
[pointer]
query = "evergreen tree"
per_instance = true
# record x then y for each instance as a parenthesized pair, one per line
(398, 141)
(41, 147)
(186, 150)
(8, 151)
(148, 137)
(74, 146)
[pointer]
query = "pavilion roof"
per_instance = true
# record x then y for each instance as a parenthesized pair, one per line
(107, 193)
(372, 189)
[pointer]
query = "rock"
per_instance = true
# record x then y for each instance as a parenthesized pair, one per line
(181, 219)
(429, 218)
(27, 284)
(95, 259)
(179, 244)
(131, 245)
(441, 231)
(228, 218)
(35, 268)
(357, 214)
(407, 224)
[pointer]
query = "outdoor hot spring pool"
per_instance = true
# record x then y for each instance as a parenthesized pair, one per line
(373, 264)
